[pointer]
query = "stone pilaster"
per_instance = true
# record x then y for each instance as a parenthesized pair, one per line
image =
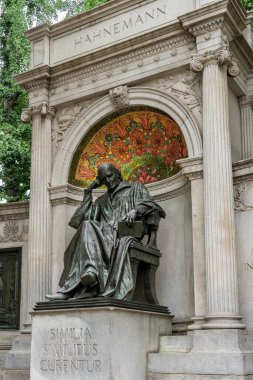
(193, 169)
(247, 126)
(39, 249)
(221, 266)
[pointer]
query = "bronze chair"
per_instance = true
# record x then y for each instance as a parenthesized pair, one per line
(145, 258)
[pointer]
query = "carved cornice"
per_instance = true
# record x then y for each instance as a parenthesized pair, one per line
(35, 79)
(228, 16)
(14, 211)
(243, 171)
(43, 110)
(206, 27)
(138, 56)
(221, 56)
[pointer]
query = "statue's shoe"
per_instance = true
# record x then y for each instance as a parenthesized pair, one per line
(89, 279)
(57, 297)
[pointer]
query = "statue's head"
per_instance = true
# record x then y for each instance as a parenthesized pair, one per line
(109, 175)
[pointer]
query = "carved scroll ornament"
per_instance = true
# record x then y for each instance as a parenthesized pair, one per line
(221, 56)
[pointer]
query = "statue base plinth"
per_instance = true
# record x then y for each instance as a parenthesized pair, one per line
(95, 339)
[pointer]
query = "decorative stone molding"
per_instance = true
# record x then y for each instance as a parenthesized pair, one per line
(119, 96)
(65, 119)
(14, 211)
(122, 62)
(206, 27)
(226, 16)
(36, 85)
(173, 194)
(239, 204)
(166, 189)
(12, 233)
(221, 56)
(192, 168)
(42, 110)
(243, 171)
(185, 86)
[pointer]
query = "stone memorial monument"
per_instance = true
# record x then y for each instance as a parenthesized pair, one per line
(162, 90)
(82, 332)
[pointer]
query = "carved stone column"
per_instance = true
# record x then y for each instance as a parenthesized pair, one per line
(39, 248)
(193, 169)
(247, 126)
(221, 266)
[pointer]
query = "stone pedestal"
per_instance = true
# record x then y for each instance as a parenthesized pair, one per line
(107, 341)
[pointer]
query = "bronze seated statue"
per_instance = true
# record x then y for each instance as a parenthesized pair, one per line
(106, 258)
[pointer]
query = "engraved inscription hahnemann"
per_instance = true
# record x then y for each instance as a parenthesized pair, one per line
(88, 38)
(114, 29)
(70, 351)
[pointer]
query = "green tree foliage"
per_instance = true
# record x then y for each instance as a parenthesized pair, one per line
(15, 137)
(248, 4)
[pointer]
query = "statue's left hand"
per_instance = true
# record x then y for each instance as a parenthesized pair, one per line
(130, 217)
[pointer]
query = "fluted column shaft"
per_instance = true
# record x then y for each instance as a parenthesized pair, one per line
(39, 248)
(247, 127)
(221, 267)
(193, 169)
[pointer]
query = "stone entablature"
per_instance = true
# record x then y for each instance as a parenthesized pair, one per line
(165, 39)
(103, 27)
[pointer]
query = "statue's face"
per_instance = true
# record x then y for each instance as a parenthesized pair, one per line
(109, 178)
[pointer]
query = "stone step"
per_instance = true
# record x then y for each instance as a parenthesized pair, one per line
(176, 343)
(236, 364)
(20, 342)
(15, 375)
(18, 358)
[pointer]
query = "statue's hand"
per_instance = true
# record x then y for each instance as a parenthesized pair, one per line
(94, 185)
(130, 217)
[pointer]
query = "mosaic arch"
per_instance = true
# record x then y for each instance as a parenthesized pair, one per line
(144, 143)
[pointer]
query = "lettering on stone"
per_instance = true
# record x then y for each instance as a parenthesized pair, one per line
(70, 351)
(106, 32)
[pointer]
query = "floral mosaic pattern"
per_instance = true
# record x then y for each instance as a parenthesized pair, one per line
(144, 145)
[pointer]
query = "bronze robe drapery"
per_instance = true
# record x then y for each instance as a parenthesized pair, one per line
(97, 247)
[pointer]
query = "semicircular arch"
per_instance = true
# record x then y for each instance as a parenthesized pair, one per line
(138, 96)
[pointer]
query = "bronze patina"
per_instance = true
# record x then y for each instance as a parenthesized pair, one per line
(96, 262)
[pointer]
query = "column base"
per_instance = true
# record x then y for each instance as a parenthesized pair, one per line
(223, 322)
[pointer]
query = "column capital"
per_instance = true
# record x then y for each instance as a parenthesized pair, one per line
(245, 101)
(220, 56)
(42, 110)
